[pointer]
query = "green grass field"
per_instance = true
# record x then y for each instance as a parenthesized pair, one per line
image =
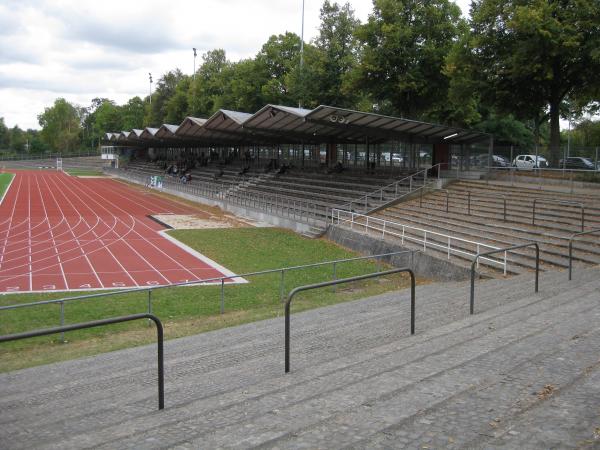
(84, 172)
(190, 310)
(5, 179)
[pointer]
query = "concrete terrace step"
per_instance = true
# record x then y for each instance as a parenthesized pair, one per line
(552, 250)
(357, 377)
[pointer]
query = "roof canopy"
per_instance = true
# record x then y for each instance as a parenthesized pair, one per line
(284, 124)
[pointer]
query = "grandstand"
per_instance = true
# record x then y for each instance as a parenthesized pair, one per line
(522, 372)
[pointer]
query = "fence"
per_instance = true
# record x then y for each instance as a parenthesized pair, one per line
(413, 182)
(217, 281)
(416, 235)
(53, 156)
(287, 207)
(299, 289)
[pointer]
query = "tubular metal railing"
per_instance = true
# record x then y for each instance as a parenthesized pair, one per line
(296, 209)
(386, 227)
(299, 289)
(469, 196)
(505, 250)
(216, 281)
(379, 193)
(573, 236)
(559, 202)
(99, 323)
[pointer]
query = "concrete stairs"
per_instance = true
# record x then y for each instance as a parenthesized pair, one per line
(554, 224)
(523, 363)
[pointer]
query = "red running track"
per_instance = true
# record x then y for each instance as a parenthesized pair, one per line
(60, 233)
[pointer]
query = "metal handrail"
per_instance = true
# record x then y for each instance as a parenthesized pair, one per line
(423, 241)
(487, 196)
(99, 323)
(505, 250)
(345, 280)
(559, 202)
(216, 281)
(469, 196)
(573, 236)
(395, 184)
(441, 190)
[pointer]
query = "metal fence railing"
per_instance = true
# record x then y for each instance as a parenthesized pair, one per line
(99, 323)
(439, 241)
(217, 281)
(295, 209)
(571, 240)
(299, 289)
(505, 250)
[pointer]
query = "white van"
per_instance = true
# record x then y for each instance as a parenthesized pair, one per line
(529, 162)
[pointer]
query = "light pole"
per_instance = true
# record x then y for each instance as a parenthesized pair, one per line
(301, 57)
(150, 78)
(194, 76)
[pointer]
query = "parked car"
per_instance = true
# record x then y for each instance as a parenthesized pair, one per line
(530, 162)
(577, 162)
(500, 161)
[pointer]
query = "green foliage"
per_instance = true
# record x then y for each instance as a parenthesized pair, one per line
(405, 45)
(507, 131)
(586, 134)
(166, 86)
(5, 179)
(61, 126)
(532, 54)
(241, 250)
(278, 58)
(132, 115)
(206, 91)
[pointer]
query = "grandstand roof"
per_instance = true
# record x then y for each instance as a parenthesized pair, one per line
(285, 124)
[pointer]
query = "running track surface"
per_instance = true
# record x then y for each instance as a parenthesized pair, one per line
(60, 233)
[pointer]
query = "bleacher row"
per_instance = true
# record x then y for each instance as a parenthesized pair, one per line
(325, 190)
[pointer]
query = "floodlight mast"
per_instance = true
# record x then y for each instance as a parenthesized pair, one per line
(150, 78)
(301, 56)
(194, 75)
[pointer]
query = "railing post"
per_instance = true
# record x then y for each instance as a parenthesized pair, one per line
(222, 295)
(425, 241)
(504, 209)
(62, 321)
(334, 276)
(505, 257)
(582, 217)
(149, 305)
(383, 231)
(570, 257)
(448, 247)
(367, 226)
(537, 266)
(469, 203)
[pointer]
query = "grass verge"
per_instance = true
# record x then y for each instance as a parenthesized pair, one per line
(84, 172)
(191, 310)
(5, 179)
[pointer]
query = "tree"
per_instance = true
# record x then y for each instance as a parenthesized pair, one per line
(132, 114)
(107, 118)
(206, 91)
(177, 106)
(335, 55)
(242, 90)
(278, 58)
(536, 53)
(405, 43)
(165, 89)
(4, 135)
(60, 126)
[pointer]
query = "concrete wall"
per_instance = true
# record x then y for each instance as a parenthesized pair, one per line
(241, 211)
(423, 264)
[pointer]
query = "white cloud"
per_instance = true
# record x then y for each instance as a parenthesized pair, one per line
(81, 49)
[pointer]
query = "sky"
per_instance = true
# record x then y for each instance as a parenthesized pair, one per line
(82, 49)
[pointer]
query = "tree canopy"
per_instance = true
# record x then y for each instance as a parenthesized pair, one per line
(512, 68)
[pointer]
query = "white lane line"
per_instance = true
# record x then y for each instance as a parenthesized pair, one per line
(12, 214)
(122, 238)
(149, 240)
(29, 248)
(62, 271)
(136, 221)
